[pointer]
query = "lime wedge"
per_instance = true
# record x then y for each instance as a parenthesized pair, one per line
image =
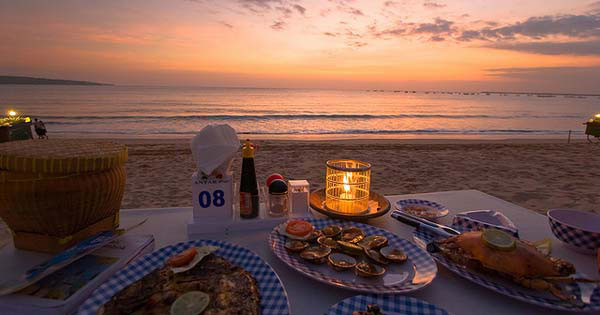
(190, 303)
(544, 246)
(498, 239)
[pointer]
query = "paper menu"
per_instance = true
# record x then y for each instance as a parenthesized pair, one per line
(63, 291)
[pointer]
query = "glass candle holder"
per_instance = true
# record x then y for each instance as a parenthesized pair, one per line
(347, 186)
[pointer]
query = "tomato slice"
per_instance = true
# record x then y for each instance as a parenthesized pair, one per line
(183, 258)
(299, 228)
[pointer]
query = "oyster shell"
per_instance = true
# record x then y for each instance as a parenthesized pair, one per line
(350, 248)
(373, 242)
(366, 269)
(316, 254)
(352, 234)
(327, 242)
(332, 231)
(295, 245)
(313, 236)
(341, 262)
(393, 254)
(375, 256)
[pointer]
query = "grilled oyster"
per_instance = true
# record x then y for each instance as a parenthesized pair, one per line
(375, 256)
(313, 236)
(341, 262)
(352, 234)
(373, 242)
(350, 248)
(327, 242)
(316, 254)
(366, 269)
(332, 231)
(295, 245)
(393, 254)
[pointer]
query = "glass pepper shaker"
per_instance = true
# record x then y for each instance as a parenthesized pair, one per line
(278, 198)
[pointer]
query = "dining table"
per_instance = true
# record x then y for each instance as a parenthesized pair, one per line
(306, 296)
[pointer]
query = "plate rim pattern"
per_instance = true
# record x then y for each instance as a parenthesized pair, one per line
(389, 303)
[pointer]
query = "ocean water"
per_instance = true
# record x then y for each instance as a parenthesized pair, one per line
(152, 112)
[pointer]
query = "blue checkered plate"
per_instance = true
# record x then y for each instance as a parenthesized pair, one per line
(417, 272)
(398, 304)
(273, 298)
(435, 211)
(509, 288)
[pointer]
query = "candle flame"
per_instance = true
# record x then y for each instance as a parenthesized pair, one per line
(346, 182)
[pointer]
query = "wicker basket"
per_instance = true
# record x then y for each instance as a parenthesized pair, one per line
(55, 193)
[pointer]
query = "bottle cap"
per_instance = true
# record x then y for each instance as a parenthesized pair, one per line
(278, 186)
(273, 177)
(248, 149)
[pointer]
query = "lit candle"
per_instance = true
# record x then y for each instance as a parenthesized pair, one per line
(347, 197)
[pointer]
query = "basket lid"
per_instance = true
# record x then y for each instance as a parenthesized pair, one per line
(61, 156)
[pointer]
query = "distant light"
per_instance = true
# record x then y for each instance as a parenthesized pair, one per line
(12, 113)
(597, 115)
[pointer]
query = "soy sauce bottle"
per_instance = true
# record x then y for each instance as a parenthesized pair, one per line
(249, 205)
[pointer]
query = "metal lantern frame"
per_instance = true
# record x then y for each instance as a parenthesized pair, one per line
(347, 186)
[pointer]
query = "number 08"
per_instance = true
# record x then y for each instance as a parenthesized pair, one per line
(218, 198)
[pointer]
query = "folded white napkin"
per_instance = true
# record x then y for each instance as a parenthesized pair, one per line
(213, 147)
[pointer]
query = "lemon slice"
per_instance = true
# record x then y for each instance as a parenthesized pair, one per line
(498, 239)
(544, 246)
(190, 303)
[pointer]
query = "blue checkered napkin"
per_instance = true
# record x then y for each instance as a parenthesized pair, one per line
(465, 224)
(509, 289)
(576, 237)
(387, 303)
(440, 209)
(273, 298)
(424, 266)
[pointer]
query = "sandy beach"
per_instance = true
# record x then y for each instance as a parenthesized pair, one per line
(535, 174)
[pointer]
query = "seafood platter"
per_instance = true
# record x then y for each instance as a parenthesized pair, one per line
(196, 277)
(516, 268)
(352, 255)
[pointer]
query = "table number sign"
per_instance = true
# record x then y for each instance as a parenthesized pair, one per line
(212, 198)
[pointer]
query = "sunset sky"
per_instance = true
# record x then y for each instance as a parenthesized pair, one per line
(535, 45)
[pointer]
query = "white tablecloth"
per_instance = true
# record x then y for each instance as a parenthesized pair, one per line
(457, 295)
